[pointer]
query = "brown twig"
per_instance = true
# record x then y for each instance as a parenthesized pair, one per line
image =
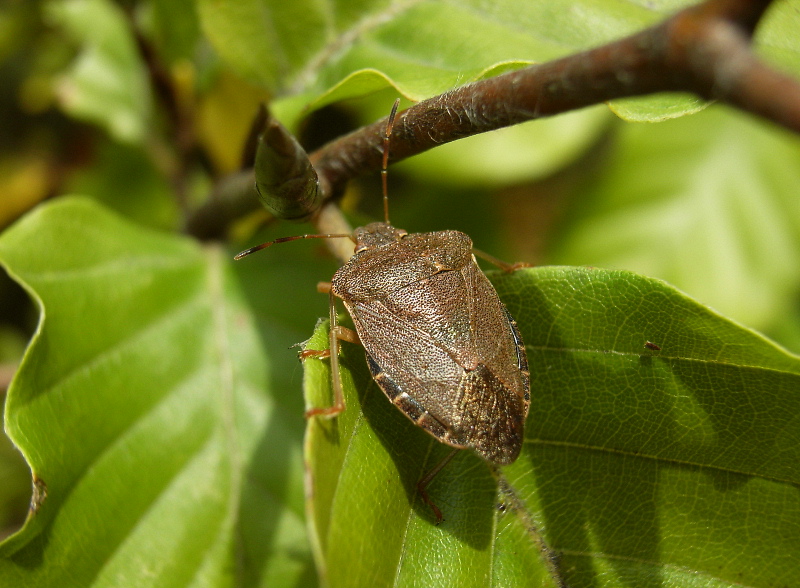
(233, 197)
(705, 50)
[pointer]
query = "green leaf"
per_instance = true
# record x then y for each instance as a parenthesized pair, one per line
(641, 467)
(107, 84)
(657, 108)
(150, 411)
(708, 203)
(776, 38)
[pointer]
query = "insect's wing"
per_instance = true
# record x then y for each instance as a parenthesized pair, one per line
(496, 394)
(414, 363)
(495, 335)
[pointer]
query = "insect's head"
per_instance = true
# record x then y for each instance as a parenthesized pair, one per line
(376, 234)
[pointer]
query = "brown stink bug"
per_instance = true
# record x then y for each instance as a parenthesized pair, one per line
(438, 340)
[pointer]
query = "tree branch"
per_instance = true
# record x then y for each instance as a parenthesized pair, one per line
(704, 50)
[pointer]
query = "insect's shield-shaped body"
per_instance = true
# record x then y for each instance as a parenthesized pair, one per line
(439, 341)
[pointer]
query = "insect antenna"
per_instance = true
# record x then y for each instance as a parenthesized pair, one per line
(384, 173)
(247, 252)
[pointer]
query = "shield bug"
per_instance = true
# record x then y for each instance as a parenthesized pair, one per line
(438, 340)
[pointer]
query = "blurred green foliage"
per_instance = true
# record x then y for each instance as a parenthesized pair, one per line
(158, 403)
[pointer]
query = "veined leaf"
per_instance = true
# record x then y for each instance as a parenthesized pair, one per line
(641, 467)
(164, 447)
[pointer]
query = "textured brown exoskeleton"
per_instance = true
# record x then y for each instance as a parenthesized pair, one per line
(438, 341)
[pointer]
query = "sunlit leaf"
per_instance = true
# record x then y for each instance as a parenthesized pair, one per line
(642, 467)
(156, 426)
(776, 39)
(657, 108)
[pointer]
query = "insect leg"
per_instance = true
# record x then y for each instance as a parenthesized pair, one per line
(333, 342)
(506, 267)
(342, 333)
(423, 483)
